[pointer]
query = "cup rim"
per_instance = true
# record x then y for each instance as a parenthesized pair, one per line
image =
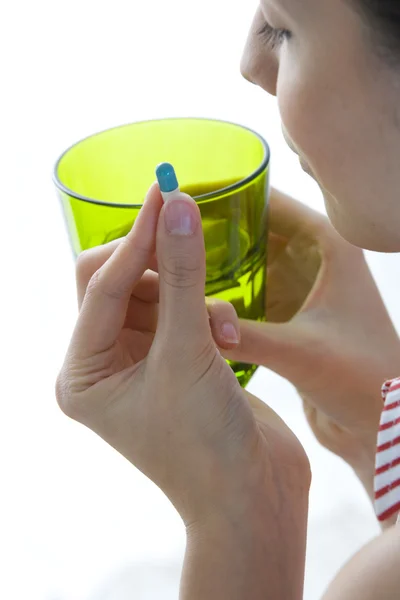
(264, 163)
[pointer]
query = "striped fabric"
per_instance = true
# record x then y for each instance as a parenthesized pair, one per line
(387, 474)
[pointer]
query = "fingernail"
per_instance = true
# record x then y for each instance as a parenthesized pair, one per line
(180, 218)
(229, 333)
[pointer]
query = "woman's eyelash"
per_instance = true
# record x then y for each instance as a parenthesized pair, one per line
(273, 37)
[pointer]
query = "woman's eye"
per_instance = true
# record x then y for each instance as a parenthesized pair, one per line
(273, 37)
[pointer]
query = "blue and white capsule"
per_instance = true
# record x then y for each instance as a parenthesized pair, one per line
(167, 181)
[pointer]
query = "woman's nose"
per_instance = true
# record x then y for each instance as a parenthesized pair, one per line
(260, 69)
(259, 65)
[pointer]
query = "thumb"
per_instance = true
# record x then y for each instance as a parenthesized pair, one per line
(182, 271)
(290, 349)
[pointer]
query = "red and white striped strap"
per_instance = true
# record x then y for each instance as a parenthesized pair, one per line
(387, 474)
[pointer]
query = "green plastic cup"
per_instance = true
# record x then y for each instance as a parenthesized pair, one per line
(102, 182)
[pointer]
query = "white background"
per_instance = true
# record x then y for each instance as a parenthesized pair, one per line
(77, 522)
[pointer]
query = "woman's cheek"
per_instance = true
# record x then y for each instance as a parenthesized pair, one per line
(312, 116)
(295, 106)
(304, 111)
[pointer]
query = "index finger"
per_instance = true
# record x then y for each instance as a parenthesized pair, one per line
(92, 260)
(107, 297)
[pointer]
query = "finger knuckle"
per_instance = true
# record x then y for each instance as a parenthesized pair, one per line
(91, 260)
(137, 247)
(180, 271)
(85, 264)
(65, 398)
(100, 286)
(94, 283)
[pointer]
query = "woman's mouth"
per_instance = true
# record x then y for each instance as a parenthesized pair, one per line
(305, 166)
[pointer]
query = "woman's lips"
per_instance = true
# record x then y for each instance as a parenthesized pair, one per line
(305, 166)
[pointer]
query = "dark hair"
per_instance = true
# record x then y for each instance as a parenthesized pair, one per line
(383, 17)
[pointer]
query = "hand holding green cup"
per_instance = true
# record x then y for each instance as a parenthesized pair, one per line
(102, 182)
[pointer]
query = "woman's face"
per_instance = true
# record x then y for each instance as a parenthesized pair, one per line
(340, 108)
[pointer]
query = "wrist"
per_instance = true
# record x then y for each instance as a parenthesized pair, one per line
(267, 492)
(362, 459)
(358, 447)
(260, 551)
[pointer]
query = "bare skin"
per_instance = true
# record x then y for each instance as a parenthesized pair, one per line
(143, 371)
(238, 477)
(339, 103)
(325, 327)
(340, 112)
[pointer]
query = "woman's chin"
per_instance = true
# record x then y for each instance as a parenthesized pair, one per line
(359, 231)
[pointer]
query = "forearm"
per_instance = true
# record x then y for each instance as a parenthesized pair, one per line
(261, 558)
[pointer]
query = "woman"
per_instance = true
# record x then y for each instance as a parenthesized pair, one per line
(143, 369)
